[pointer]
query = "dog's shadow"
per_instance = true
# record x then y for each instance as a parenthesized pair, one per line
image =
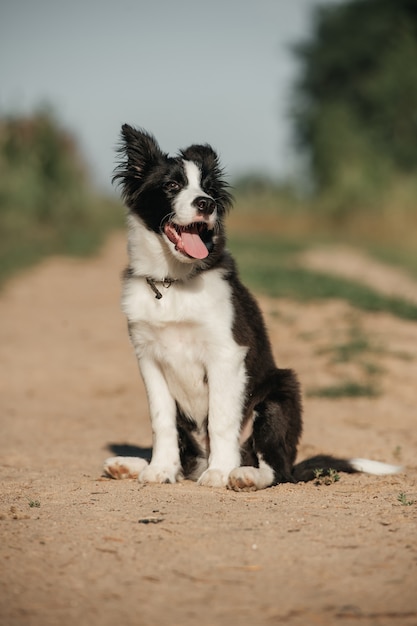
(126, 449)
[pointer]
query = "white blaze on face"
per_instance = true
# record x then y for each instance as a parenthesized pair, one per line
(186, 213)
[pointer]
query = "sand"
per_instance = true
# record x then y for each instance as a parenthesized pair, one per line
(77, 548)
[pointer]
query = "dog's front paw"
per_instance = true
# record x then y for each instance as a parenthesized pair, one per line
(124, 466)
(249, 478)
(213, 478)
(158, 474)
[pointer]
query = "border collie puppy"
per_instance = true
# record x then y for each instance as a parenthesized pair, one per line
(222, 413)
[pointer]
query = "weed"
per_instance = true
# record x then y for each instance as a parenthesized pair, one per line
(402, 498)
(353, 348)
(334, 476)
(372, 369)
(357, 345)
(267, 264)
(348, 389)
(318, 473)
(325, 478)
(397, 453)
(34, 504)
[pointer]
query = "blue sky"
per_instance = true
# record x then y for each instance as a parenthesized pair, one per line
(217, 71)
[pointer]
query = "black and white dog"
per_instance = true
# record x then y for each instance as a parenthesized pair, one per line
(222, 412)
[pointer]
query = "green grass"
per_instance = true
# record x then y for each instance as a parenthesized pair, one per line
(403, 499)
(399, 256)
(353, 348)
(356, 346)
(34, 503)
(359, 349)
(268, 265)
(348, 389)
(322, 477)
(23, 245)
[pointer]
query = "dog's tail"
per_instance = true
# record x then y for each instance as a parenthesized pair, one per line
(324, 465)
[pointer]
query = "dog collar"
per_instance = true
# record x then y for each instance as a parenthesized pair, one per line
(166, 283)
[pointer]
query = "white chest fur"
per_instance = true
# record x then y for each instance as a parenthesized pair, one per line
(188, 335)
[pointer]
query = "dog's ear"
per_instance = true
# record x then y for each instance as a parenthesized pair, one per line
(140, 149)
(139, 152)
(202, 154)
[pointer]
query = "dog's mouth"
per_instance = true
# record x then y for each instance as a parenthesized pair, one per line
(194, 240)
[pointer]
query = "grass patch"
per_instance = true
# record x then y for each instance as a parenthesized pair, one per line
(326, 478)
(355, 347)
(26, 244)
(34, 504)
(403, 499)
(401, 256)
(348, 389)
(267, 264)
(397, 453)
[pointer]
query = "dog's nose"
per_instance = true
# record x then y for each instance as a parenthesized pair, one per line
(205, 205)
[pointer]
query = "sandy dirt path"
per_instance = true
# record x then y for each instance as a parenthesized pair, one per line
(77, 548)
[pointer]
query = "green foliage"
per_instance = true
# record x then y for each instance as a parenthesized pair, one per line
(356, 100)
(357, 347)
(403, 499)
(46, 202)
(34, 504)
(348, 389)
(322, 477)
(267, 264)
(42, 174)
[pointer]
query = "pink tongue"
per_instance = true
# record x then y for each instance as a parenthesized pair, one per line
(192, 243)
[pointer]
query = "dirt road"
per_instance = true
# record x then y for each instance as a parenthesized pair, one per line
(77, 548)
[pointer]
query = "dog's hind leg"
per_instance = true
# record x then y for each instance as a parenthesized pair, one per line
(276, 430)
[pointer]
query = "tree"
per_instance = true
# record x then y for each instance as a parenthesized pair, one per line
(42, 173)
(355, 105)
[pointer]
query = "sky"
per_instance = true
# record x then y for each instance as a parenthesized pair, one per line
(188, 71)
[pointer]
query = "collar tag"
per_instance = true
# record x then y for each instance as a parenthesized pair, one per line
(166, 283)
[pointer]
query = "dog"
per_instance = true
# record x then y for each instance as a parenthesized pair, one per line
(222, 413)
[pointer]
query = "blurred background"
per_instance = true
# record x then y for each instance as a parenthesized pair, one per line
(311, 104)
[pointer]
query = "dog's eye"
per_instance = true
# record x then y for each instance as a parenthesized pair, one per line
(172, 185)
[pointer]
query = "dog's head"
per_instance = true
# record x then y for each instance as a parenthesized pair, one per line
(182, 198)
